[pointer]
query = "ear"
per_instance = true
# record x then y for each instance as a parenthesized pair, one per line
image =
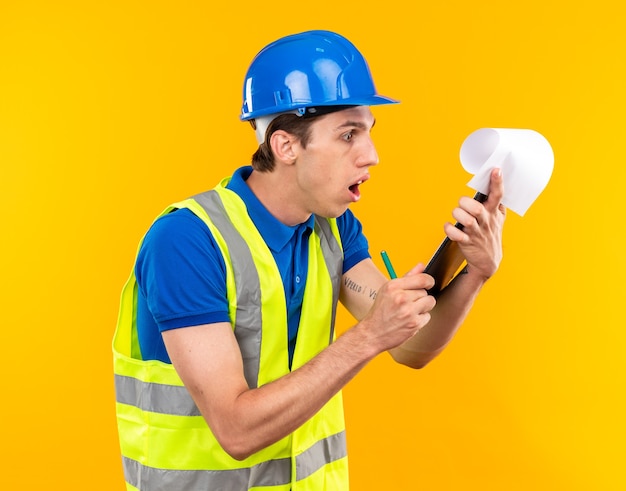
(282, 144)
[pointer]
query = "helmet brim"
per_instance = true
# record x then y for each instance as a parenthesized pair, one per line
(374, 100)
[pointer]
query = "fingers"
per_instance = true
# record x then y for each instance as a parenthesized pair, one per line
(471, 213)
(410, 305)
(417, 269)
(411, 287)
(455, 234)
(401, 308)
(479, 228)
(468, 212)
(422, 308)
(411, 291)
(415, 279)
(496, 191)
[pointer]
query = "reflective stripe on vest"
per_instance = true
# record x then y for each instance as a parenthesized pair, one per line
(248, 287)
(175, 400)
(272, 473)
(165, 442)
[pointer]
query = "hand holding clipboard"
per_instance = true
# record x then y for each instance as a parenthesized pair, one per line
(448, 258)
(526, 160)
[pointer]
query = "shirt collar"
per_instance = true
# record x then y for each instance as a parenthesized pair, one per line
(275, 233)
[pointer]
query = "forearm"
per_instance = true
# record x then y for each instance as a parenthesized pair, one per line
(259, 417)
(453, 306)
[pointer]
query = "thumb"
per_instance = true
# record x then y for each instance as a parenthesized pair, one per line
(417, 269)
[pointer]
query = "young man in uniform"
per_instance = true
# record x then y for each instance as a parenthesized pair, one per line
(228, 373)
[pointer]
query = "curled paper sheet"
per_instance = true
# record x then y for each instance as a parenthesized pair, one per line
(525, 157)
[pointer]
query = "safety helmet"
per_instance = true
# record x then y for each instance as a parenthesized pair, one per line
(303, 72)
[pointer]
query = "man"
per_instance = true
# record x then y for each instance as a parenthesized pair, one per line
(228, 374)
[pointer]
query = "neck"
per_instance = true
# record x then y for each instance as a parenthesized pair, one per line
(274, 190)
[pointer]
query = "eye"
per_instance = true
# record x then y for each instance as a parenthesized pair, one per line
(347, 136)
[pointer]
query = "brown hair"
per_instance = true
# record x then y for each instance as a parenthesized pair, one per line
(263, 158)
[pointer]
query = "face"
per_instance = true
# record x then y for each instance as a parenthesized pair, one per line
(335, 163)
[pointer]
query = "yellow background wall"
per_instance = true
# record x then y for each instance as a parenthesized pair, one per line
(111, 110)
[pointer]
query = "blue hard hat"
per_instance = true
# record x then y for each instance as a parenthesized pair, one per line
(308, 70)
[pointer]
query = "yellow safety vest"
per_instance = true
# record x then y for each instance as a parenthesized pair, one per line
(165, 442)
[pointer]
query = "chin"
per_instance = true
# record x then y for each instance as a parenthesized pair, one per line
(337, 212)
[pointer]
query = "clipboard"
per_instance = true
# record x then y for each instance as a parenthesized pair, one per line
(448, 258)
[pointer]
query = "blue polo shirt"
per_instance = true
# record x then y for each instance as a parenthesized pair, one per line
(181, 273)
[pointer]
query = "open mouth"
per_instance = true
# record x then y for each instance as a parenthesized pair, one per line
(355, 191)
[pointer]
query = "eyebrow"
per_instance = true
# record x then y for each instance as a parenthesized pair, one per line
(355, 124)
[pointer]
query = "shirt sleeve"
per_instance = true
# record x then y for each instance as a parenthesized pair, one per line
(181, 273)
(355, 245)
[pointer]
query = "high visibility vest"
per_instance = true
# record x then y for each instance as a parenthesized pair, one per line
(165, 442)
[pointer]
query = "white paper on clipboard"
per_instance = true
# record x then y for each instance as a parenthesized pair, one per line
(525, 157)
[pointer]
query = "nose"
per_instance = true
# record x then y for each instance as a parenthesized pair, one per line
(369, 155)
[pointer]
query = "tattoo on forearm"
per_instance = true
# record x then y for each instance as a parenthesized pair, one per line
(355, 287)
(351, 285)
